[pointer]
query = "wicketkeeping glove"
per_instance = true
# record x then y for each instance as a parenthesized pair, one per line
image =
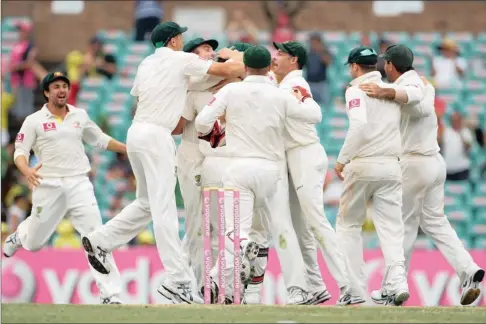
(303, 91)
(215, 136)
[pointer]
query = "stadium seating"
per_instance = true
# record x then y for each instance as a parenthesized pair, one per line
(109, 104)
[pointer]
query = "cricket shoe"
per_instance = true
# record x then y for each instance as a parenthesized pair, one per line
(214, 292)
(12, 244)
(249, 253)
(470, 288)
(179, 294)
(297, 296)
(347, 299)
(318, 297)
(96, 255)
(379, 296)
(113, 300)
(397, 299)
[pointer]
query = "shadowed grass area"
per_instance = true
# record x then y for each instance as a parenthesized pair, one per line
(39, 313)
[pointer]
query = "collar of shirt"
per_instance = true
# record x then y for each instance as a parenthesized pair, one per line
(49, 114)
(163, 50)
(293, 74)
(404, 76)
(370, 76)
(257, 79)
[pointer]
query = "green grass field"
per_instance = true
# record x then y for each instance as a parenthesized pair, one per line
(36, 313)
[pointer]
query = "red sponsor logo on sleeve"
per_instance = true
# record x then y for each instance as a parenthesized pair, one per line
(354, 103)
(49, 126)
(211, 101)
(20, 138)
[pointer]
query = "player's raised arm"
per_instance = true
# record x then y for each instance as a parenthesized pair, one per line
(356, 111)
(93, 135)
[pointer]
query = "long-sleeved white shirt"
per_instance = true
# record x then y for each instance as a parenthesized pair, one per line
(298, 133)
(418, 124)
(58, 144)
(374, 125)
(255, 113)
(161, 85)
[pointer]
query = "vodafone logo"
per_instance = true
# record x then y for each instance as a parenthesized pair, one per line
(49, 126)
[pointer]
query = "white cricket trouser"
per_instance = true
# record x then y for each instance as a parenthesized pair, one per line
(308, 167)
(74, 198)
(423, 205)
(189, 167)
(151, 151)
(374, 183)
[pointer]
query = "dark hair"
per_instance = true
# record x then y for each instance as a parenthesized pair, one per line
(367, 68)
(301, 66)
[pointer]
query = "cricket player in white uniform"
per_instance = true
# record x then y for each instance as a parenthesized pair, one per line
(60, 184)
(190, 157)
(255, 113)
(423, 172)
(160, 87)
(372, 179)
(307, 164)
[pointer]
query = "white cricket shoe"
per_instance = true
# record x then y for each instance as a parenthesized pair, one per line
(12, 244)
(96, 255)
(470, 288)
(379, 296)
(179, 294)
(318, 297)
(397, 299)
(252, 295)
(297, 296)
(113, 300)
(347, 299)
(249, 253)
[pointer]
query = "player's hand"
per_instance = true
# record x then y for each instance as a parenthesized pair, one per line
(33, 177)
(339, 168)
(371, 89)
(301, 93)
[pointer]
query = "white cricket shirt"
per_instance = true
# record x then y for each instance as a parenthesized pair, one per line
(255, 112)
(374, 125)
(418, 124)
(298, 133)
(161, 85)
(58, 144)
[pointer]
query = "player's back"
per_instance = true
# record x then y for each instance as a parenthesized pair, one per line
(419, 133)
(255, 117)
(381, 134)
(161, 85)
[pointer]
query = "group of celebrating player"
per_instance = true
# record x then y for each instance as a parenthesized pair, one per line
(248, 122)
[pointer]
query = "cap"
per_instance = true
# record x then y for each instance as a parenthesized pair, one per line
(241, 47)
(362, 55)
(163, 32)
(257, 57)
(295, 49)
(196, 42)
(53, 76)
(399, 55)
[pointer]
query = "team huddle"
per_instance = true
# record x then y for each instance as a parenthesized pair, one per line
(249, 122)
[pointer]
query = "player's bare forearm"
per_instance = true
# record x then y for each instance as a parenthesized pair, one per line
(22, 164)
(180, 127)
(115, 146)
